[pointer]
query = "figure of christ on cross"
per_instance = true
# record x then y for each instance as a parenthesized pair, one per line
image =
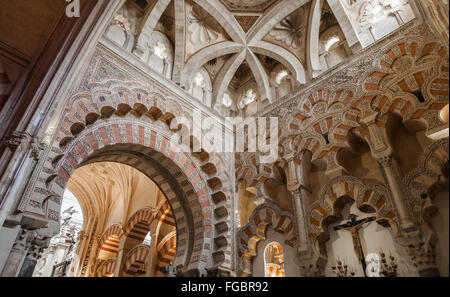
(353, 226)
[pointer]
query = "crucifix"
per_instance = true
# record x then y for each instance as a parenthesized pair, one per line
(353, 226)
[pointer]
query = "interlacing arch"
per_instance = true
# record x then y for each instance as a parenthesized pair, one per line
(127, 126)
(412, 57)
(430, 176)
(411, 80)
(320, 126)
(262, 217)
(245, 172)
(322, 131)
(249, 169)
(322, 123)
(328, 96)
(340, 191)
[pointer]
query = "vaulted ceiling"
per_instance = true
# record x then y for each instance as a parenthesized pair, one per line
(240, 43)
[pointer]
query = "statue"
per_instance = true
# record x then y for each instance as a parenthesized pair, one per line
(353, 226)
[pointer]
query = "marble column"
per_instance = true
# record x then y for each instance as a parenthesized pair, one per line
(30, 261)
(151, 258)
(391, 173)
(120, 256)
(37, 246)
(301, 219)
(297, 183)
(382, 151)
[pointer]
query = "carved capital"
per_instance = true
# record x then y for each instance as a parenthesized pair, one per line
(297, 193)
(36, 147)
(22, 240)
(386, 161)
(289, 157)
(369, 119)
(14, 140)
(24, 139)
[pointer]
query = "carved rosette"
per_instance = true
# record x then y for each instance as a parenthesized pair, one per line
(202, 27)
(290, 30)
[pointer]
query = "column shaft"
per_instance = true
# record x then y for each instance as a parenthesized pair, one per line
(391, 173)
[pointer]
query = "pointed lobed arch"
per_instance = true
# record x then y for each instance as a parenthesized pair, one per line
(337, 193)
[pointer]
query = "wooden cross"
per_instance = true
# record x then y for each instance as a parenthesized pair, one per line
(353, 226)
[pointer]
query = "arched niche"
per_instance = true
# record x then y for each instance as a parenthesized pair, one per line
(281, 81)
(333, 47)
(122, 28)
(358, 160)
(291, 268)
(159, 54)
(405, 142)
(201, 87)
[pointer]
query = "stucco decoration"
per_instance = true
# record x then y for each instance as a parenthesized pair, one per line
(123, 22)
(248, 5)
(202, 27)
(290, 29)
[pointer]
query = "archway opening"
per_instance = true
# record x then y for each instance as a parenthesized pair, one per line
(127, 217)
